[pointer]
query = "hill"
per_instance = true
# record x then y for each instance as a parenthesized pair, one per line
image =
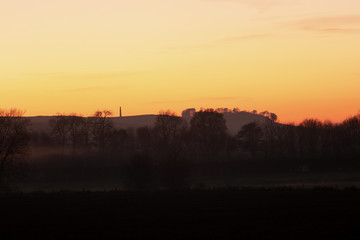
(234, 121)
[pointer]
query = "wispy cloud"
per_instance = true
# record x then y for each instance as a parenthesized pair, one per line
(349, 24)
(242, 37)
(334, 30)
(85, 82)
(256, 3)
(99, 75)
(96, 88)
(110, 75)
(219, 98)
(219, 42)
(83, 89)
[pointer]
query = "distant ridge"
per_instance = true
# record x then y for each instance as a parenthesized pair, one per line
(234, 121)
(134, 121)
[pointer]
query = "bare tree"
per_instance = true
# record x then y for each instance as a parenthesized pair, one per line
(309, 131)
(168, 127)
(144, 139)
(271, 132)
(78, 132)
(69, 130)
(249, 137)
(351, 133)
(14, 140)
(208, 129)
(170, 131)
(101, 128)
(60, 128)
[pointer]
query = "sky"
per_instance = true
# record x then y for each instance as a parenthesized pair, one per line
(297, 58)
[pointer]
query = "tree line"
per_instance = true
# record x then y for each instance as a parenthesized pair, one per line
(174, 146)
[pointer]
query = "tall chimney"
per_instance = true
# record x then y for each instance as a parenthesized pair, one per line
(120, 112)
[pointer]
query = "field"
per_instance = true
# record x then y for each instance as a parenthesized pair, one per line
(111, 179)
(224, 213)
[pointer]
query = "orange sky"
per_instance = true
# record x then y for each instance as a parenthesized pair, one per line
(297, 58)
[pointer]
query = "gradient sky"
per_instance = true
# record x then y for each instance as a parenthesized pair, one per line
(297, 58)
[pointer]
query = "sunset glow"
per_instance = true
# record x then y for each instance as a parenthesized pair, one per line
(296, 58)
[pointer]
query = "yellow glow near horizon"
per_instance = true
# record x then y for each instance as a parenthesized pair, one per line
(295, 58)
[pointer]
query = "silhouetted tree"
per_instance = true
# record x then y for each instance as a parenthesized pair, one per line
(78, 131)
(170, 131)
(271, 138)
(69, 130)
(309, 132)
(122, 143)
(14, 140)
(101, 127)
(249, 137)
(208, 129)
(188, 113)
(273, 117)
(270, 115)
(60, 128)
(168, 128)
(351, 128)
(144, 140)
(350, 140)
(328, 140)
(287, 142)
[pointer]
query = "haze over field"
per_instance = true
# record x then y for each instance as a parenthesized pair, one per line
(293, 57)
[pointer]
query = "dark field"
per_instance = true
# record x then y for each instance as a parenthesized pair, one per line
(228, 213)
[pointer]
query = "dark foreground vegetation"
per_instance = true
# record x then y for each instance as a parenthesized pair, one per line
(228, 213)
(173, 173)
(175, 153)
